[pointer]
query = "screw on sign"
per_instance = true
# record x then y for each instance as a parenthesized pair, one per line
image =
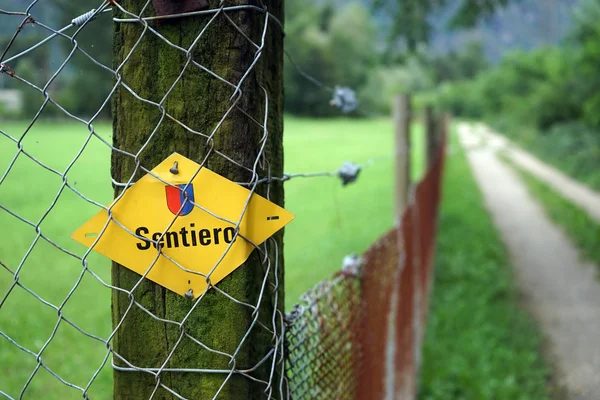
(177, 226)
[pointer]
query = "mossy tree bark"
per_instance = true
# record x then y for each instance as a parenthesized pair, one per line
(199, 101)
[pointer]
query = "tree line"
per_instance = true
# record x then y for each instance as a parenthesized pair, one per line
(547, 99)
(372, 46)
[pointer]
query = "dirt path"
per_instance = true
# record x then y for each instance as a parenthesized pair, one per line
(560, 290)
(569, 188)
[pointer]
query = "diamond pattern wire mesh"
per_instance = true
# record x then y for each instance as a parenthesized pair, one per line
(320, 355)
(322, 341)
(358, 335)
(40, 349)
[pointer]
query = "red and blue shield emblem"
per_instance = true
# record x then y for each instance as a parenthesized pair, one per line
(180, 199)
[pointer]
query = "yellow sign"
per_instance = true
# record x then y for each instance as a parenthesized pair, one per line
(193, 224)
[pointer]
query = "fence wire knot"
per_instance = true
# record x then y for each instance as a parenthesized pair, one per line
(349, 172)
(345, 99)
(6, 69)
(293, 315)
(352, 265)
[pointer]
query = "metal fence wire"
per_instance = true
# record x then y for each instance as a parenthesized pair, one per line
(358, 335)
(37, 347)
(322, 341)
(319, 350)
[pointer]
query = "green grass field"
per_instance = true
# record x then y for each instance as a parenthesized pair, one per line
(331, 222)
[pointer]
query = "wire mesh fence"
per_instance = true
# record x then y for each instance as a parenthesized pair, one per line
(322, 342)
(46, 352)
(358, 335)
(321, 349)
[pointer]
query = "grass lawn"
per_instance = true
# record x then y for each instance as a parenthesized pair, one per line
(331, 222)
(582, 229)
(479, 344)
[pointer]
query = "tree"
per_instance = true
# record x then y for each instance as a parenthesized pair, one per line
(458, 65)
(587, 36)
(410, 17)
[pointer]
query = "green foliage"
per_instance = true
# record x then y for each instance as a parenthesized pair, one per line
(33, 99)
(343, 45)
(333, 46)
(537, 88)
(33, 68)
(386, 82)
(352, 34)
(547, 100)
(587, 35)
(579, 225)
(419, 73)
(338, 44)
(85, 89)
(459, 98)
(410, 22)
(40, 57)
(459, 65)
(479, 343)
(86, 85)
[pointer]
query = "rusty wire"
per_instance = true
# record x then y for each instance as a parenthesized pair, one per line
(359, 334)
(322, 341)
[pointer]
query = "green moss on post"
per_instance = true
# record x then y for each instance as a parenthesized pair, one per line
(199, 101)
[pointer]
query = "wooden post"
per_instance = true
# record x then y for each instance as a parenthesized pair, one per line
(402, 121)
(200, 101)
(442, 129)
(446, 124)
(431, 134)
